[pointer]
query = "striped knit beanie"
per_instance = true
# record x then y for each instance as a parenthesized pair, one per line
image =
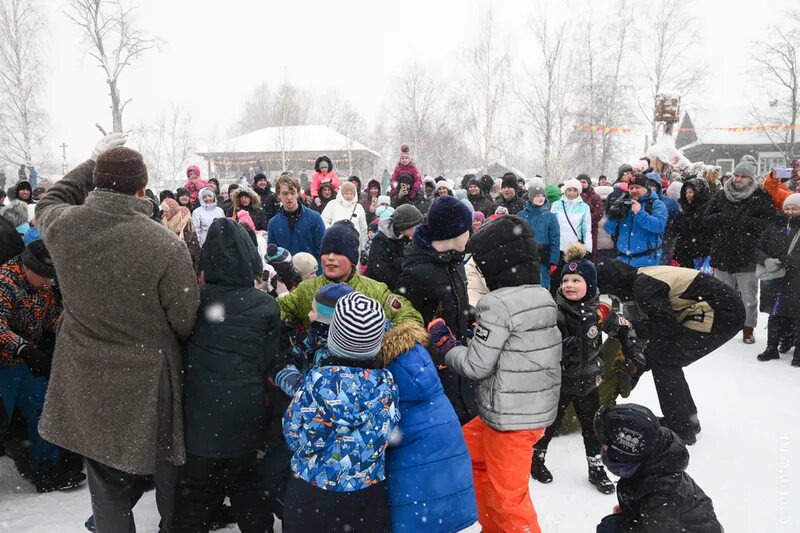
(326, 298)
(357, 327)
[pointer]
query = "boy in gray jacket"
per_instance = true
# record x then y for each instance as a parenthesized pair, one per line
(515, 356)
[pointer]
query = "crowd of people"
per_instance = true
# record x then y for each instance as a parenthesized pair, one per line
(353, 359)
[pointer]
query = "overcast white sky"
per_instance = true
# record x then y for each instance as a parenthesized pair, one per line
(215, 52)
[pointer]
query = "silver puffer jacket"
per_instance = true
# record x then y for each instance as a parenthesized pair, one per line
(515, 355)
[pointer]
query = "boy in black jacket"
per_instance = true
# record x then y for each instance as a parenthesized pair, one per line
(236, 336)
(655, 493)
(582, 319)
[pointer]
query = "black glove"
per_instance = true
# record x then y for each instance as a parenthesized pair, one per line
(610, 524)
(38, 362)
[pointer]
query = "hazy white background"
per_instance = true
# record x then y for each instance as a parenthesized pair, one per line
(215, 52)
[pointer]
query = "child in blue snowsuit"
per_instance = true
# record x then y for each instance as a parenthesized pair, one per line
(314, 347)
(428, 467)
(338, 428)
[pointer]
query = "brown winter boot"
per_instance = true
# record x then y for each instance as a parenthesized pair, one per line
(747, 336)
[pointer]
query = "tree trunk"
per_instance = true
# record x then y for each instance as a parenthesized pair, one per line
(116, 108)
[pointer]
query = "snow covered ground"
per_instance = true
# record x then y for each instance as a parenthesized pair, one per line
(747, 458)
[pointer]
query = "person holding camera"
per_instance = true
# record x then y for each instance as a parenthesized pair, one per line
(776, 183)
(636, 222)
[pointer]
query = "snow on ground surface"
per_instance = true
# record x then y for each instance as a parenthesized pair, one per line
(747, 458)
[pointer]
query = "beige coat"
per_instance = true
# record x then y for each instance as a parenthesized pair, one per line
(130, 298)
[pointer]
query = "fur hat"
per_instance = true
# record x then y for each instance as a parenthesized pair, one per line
(577, 264)
(120, 169)
(305, 263)
(357, 327)
(342, 239)
(509, 180)
(326, 299)
(36, 257)
(447, 219)
(406, 216)
(15, 212)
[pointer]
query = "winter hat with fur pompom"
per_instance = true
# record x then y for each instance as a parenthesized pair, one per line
(575, 263)
(405, 150)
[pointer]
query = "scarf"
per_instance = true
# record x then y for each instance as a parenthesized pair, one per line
(737, 195)
(175, 217)
(294, 217)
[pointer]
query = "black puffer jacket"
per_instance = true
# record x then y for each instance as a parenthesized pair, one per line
(436, 284)
(581, 326)
(10, 241)
(269, 202)
(736, 228)
(514, 206)
(235, 338)
(385, 262)
(781, 297)
(662, 498)
(694, 238)
(484, 204)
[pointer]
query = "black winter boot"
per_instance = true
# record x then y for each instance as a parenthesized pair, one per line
(540, 472)
(769, 354)
(52, 477)
(598, 476)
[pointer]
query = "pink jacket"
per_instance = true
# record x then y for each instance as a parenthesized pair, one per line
(411, 169)
(319, 177)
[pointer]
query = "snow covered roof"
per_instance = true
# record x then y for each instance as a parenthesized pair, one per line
(315, 139)
(728, 127)
(497, 164)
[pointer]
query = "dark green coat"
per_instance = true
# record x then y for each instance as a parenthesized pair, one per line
(235, 338)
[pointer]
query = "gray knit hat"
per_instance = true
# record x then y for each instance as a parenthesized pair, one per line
(745, 169)
(536, 188)
(406, 216)
(357, 328)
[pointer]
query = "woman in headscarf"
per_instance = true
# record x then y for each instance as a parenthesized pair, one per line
(178, 219)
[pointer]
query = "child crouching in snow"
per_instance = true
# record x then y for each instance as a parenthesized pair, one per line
(428, 468)
(338, 427)
(582, 319)
(514, 355)
(655, 493)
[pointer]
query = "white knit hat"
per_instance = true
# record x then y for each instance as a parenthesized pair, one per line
(792, 199)
(572, 184)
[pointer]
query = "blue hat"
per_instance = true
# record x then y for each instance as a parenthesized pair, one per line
(341, 238)
(576, 263)
(277, 254)
(630, 431)
(326, 299)
(447, 219)
(357, 328)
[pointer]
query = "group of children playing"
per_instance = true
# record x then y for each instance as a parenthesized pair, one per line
(376, 444)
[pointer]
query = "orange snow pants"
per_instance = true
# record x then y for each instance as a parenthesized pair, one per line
(501, 466)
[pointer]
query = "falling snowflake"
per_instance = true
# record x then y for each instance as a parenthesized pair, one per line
(215, 312)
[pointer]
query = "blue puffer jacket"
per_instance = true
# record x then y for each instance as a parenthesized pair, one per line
(338, 425)
(428, 467)
(306, 237)
(639, 236)
(545, 229)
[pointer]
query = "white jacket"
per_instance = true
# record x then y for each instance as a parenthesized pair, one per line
(203, 216)
(340, 209)
(580, 218)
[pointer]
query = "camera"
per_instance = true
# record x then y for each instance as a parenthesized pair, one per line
(619, 208)
(783, 173)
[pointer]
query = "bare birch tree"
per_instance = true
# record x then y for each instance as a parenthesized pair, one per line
(779, 60)
(415, 111)
(487, 66)
(546, 102)
(666, 56)
(166, 145)
(22, 121)
(114, 42)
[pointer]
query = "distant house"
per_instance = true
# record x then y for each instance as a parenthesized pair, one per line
(294, 148)
(724, 138)
(495, 169)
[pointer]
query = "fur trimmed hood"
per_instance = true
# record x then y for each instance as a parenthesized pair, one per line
(255, 199)
(401, 339)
